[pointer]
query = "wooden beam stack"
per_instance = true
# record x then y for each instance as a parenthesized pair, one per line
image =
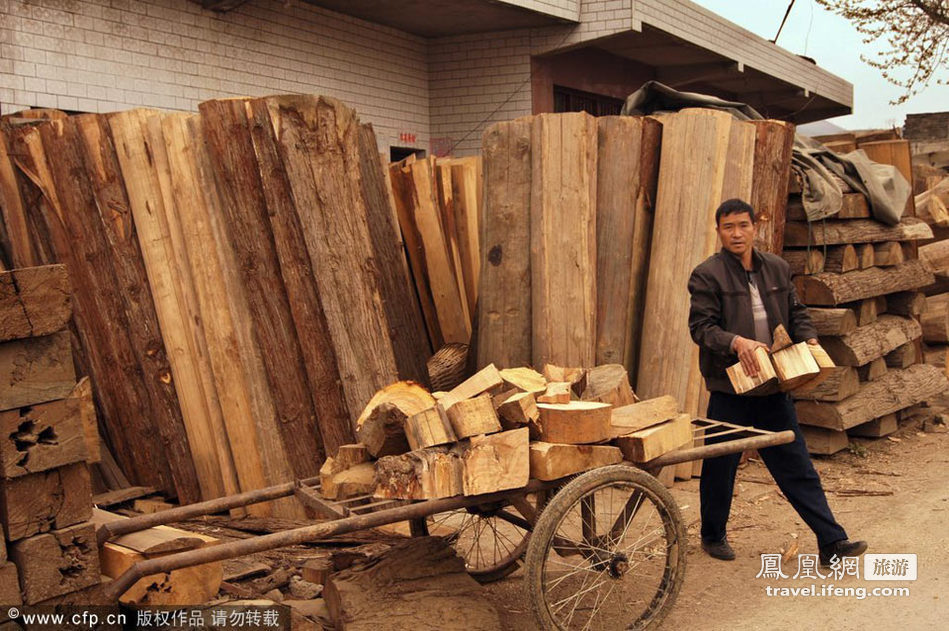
(48, 432)
(869, 312)
(241, 289)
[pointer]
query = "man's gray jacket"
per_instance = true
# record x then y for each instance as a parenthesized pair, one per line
(721, 309)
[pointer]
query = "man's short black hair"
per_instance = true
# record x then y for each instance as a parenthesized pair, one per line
(734, 207)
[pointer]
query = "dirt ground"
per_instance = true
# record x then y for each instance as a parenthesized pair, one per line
(892, 492)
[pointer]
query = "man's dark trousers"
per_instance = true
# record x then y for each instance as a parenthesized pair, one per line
(789, 464)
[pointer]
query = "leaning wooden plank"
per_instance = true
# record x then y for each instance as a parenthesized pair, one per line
(57, 562)
(496, 462)
(324, 178)
(466, 179)
(838, 321)
(268, 293)
(834, 232)
(34, 301)
(173, 304)
(504, 288)
(194, 241)
(627, 174)
(894, 391)
(41, 437)
(652, 442)
(424, 474)
(609, 383)
(563, 239)
(833, 289)
(874, 340)
(417, 584)
(37, 502)
(769, 191)
(380, 427)
(809, 261)
(184, 586)
(18, 249)
(550, 461)
(575, 423)
(630, 418)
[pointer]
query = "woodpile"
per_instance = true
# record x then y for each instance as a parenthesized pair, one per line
(48, 435)
(870, 310)
(230, 342)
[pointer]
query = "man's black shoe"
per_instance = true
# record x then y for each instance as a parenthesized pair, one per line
(840, 549)
(719, 549)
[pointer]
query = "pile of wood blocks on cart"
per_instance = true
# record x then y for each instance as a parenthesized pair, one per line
(866, 284)
(498, 429)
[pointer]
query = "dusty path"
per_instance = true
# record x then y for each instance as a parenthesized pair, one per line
(914, 519)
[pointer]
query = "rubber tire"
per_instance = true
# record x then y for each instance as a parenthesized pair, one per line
(563, 501)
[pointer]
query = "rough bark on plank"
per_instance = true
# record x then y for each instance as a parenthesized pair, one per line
(39, 502)
(834, 232)
(424, 474)
(504, 288)
(550, 461)
(769, 192)
(250, 235)
(36, 370)
(575, 423)
(894, 391)
(905, 355)
(839, 383)
(563, 239)
(833, 289)
(840, 321)
(496, 462)
(869, 342)
(57, 562)
(34, 301)
(627, 173)
(403, 586)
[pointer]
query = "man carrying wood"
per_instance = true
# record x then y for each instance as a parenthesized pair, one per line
(739, 296)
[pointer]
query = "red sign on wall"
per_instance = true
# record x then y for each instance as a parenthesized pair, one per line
(406, 137)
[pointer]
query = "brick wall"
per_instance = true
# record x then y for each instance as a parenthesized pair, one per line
(567, 9)
(926, 127)
(107, 55)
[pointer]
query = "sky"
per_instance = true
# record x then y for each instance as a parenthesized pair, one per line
(836, 46)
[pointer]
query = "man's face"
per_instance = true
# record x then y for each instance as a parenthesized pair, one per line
(737, 232)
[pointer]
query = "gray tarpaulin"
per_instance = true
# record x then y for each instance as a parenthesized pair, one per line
(883, 184)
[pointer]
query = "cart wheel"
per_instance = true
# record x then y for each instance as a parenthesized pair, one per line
(491, 538)
(608, 551)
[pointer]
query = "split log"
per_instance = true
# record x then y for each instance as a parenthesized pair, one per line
(630, 418)
(420, 475)
(557, 392)
(575, 423)
(339, 481)
(833, 289)
(934, 319)
(41, 437)
(780, 339)
(549, 461)
(380, 427)
(184, 586)
(447, 367)
(609, 383)
(836, 232)
(894, 391)
(887, 254)
(769, 192)
(864, 310)
(496, 462)
(39, 502)
(404, 586)
(484, 380)
(822, 441)
(524, 379)
(804, 261)
(650, 443)
(906, 303)
(504, 291)
(904, 355)
(937, 356)
(10, 585)
(36, 370)
(429, 428)
(34, 301)
(58, 562)
(866, 255)
(832, 321)
(877, 428)
(576, 377)
(841, 258)
(936, 256)
(627, 175)
(471, 417)
(794, 365)
(742, 382)
(872, 371)
(869, 342)
(518, 410)
(351, 455)
(563, 239)
(839, 383)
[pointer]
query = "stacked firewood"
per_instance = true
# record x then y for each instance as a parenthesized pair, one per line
(500, 428)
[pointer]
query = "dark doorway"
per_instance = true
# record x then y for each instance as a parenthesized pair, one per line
(400, 153)
(570, 100)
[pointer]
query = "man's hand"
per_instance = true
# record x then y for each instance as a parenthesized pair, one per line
(746, 354)
(812, 341)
